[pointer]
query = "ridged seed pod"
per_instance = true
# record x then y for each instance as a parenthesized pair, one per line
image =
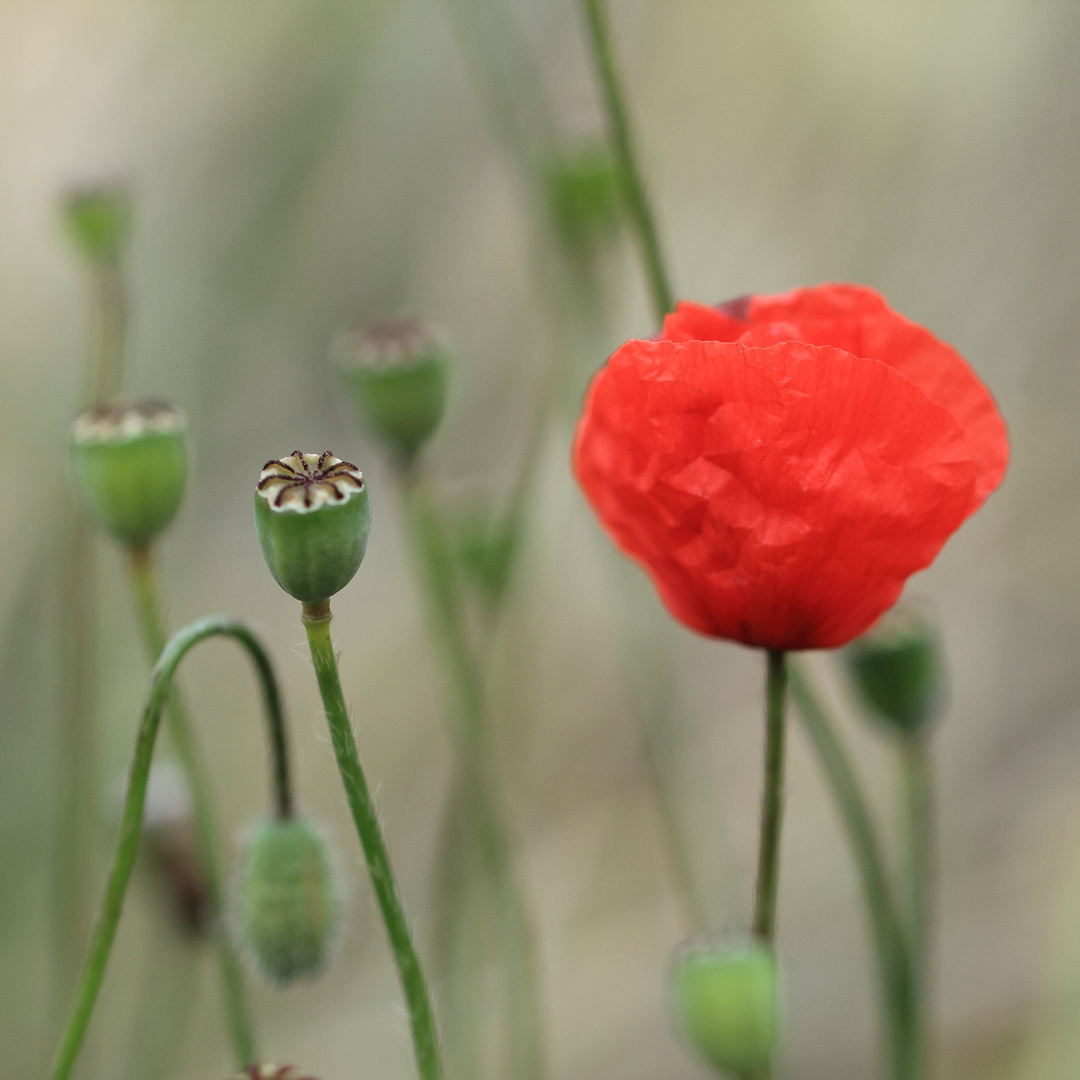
(287, 905)
(313, 518)
(129, 464)
(725, 999)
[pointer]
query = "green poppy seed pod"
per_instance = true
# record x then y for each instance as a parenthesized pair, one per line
(313, 518)
(898, 669)
(129, 464)
(583, 191)
(286, 906)
(726, 1002)
(272, 1072)
(98, 217)
(397, 373)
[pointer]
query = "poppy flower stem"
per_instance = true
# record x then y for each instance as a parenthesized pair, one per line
(207, 827)
(637, 201)
(316, 620)
(127, 843)
(772, 797)
(893, 959)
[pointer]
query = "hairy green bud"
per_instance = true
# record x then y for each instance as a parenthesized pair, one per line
(313, 518)
(129, 464)
(725, 999)
(898, 669)
(397, 373)
(98, 217)
(287, 905)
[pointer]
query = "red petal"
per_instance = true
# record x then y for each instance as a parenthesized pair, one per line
(778, 496)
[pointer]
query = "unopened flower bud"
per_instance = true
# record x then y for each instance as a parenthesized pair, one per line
(898, 669)
(725, 999)
(397, 373)
(98, 217)
(313, 518)
(583, 190)
(272, 1072)
(287, 905)
(130, 467)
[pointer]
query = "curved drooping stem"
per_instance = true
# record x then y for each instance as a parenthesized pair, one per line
(633, 186)
(316, 619)
(127, 841)
(894, 972)
(207, 828)
(474, 760)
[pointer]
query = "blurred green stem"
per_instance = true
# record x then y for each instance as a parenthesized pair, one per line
(316, 620)
(772, 797)
(917, 797)
(474, 760)
(889, 944)
(183, 739)
(127, 842)
(596, 15)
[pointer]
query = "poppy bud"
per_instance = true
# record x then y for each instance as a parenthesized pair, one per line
(898, 669)
(98, 217)
(272, 1072)
(130, 467)
(286, 907)
(313, 518)
(583, 192)
(397, 373)
(725, 1000)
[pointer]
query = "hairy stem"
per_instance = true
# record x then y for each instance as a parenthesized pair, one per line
(894, 972)
(127, 842)
(207, 827)
(316, 619)
(474, 760)
(596, 15)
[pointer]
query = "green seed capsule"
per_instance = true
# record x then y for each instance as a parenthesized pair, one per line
(397, 373)
(98, 217)
(583, 191)
(898, 669)
(129, 464)
(725, 1000)
(313, 518)
(287, 905)
(272, 1072)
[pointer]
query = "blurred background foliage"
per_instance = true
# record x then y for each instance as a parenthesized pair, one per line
(300, 165)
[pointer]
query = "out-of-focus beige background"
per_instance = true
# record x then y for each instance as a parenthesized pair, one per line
(298, 165)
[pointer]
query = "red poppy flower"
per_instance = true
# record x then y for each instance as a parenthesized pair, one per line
(781, 464)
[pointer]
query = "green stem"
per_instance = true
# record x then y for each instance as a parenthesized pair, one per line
(474, 759)
(772, 798)
(206, 826)
(127, 842)
(917, 787)
(633, 187)
(316, 619)
(892, 960)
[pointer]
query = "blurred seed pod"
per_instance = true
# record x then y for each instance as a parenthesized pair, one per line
(287, 901)
(129, 465)
(98, 218)
(397, 372)
(272, 1072)
(725, 1000)
(898, 669)
(313, 518)
(585, 197)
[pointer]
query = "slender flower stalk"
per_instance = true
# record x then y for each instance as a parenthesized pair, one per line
(596, 15)
(890, 946)
(152, 626)
(917, 796)
(772, 797)
(316, 619)
(161, 684)
(474, 759)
